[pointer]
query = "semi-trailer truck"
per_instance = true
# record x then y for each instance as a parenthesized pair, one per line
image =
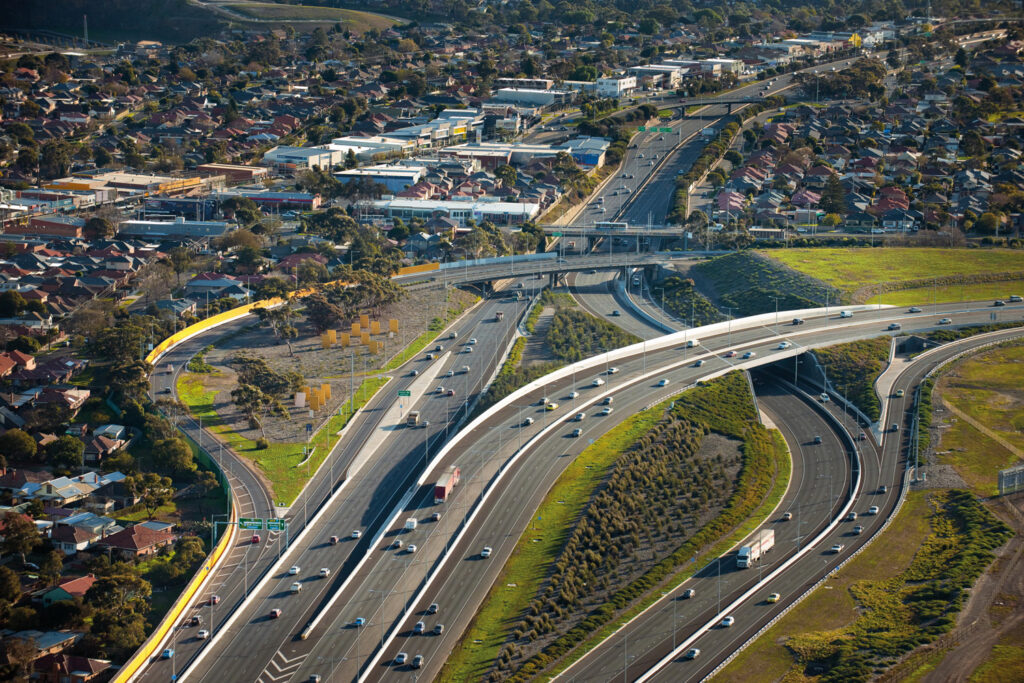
(445, 484)
(762, 542)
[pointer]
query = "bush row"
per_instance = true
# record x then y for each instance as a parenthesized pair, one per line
(683, 300)
(724, 406)
(511, 376)
(198, 364)
(852, 369)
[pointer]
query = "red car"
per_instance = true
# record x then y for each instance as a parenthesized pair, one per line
(730, 354)
(255, 538)
(451, 392)
(214, 599)
(275, 613)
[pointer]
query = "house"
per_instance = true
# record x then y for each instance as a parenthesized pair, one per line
(137, 541)
(62, 668)
(68, 589)
(859, 220)
(99, 447)
(72, 539)
(178, 307)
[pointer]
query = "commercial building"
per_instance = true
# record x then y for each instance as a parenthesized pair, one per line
(531, 83)
(658, 75)
(50, 226)
(194, 208)
(616, 86)
(499, 213)
(274, 201)
(177, 229)
(532, 97)
(395, 178)
(292, 159)
(375, 148)
(235, 173)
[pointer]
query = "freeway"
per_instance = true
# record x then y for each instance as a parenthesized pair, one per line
(375, 460)
(596, 292)
(390, 587)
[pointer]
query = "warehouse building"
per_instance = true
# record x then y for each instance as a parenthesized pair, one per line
(499, 213)
(395, 178)
(176, 229)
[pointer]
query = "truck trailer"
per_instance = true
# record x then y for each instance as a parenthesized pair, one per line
(413, 418)
(762, 542)
(445, 484)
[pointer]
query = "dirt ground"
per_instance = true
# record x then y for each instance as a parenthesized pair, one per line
(339, 367)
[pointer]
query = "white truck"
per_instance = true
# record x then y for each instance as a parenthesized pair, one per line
(410, 524)
(751, 552)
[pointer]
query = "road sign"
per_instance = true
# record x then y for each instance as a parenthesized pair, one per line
(556, 234)
(664, 130)
(403, 392)
(642, 128)
(275, 525)
(250, 524)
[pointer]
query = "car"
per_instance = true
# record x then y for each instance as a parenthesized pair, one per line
(608, 400)
(998, 302)
(438, 629)
(845, 314)
(293, 570)
(359, 622)
(472, 341)
(486, 552)
(574, 394)
(196, 620)
(214, 599)
(597, 382)
(914, 309)
(689, 593)
(431, 356)
(699, 363)
(823, 396)
(786, 516)
(693, 653)
(551, 406)
(607, 410)
(883, 488)
(895, 427)
(817, 440)
(357, 534)
(527, 422)
(851, 516)
(255, 538)
(451, 392)
(858, 530)
(295, 587)
(400, 658)
(837, 548)
(728, 621)
(873, 510)
(325, 572)
(411, 548)
(450, 373)
(663, 382)
(579, 417)
(640, 155)
(729, 354)
(900, 393)
(435, 517)
(433, 608)
(783, 345)
(165, 390)
(750, 354)
(543, 400)
(414, 373)
(202, 634)
(419, 628)
(468, 349)
(798, 321)
(616, 313)
(895, 326)
(167, 654)
(576, 433)
(773, 597)
(519, 285)
(612, 370)
(1016, 298)
(438, 348)
(417, 661)
(333, 540)
(276, 613)
(946, 321)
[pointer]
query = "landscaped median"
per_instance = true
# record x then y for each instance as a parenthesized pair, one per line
(707, 473)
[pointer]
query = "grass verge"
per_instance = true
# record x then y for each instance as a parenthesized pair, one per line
(853, 367)
(419, 343)
(354, 20)
(279, 461)
(949, 293)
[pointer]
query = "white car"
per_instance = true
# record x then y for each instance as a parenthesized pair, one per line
(324, 572)
(845, 314)
(472, 341)
(576, 433)
(946, 321)
(574, 394)
(873, 510)
(598, 382)
(693, 653)
(411, 548)
(579, 417)
(296, 587)
(837, 548)
(612, 370)
(357, 533)
(527, 422)
(750, 354)
(486, 552)
(400, 658)
(823, 396)
(728, 621)
(784, 345)
(606, 411)
(203, 634)
(293, 570)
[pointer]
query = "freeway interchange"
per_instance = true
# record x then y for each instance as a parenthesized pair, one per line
(385, 587)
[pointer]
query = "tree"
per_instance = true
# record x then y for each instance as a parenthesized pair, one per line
(65, 453)
(19, 653)
(961, 58)
(20, 535)
(101, 227)
(833, 197)
(55, 160)
(17, 445)
(25, 344)
(12, 303)
(280, 320)
(131, 380)
(174, 455)
(310, 272)
(51, 567)
(120, 343)
(189, 553)
(987, 222)
(181, 260)
(10, 586)
(506, 174)
(153, 490)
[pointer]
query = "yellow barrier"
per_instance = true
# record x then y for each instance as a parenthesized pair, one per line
(422, 268)
(148, 648)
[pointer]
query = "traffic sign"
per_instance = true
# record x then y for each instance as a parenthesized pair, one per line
(404, 392)
(664, 130)
(250, 524)
(556, 234)
(276, 525)
(642, 129)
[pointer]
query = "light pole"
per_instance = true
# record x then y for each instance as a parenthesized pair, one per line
(776, 314)
(729, 326)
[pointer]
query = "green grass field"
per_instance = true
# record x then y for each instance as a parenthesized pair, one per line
(850, 269)
(832, 606)
(952, 293)
(280, 461)
(354, 20)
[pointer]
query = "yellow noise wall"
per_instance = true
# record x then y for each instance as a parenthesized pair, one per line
(325, 390)
(365, 338)
(393, 325)
(375, 327)
(364, 321)
(345, 339)
(356, 329)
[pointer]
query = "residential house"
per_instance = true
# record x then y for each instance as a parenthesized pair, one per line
(63, 668)
(137, 541)
(68, 589)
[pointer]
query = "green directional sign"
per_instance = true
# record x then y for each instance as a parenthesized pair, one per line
(556, 234)
(404, 392)
(665, 130)
(250, 524)
(276, 525)
(642, 128)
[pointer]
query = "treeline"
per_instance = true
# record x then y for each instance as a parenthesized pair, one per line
(723, 406)
(575, 335)
(618, 128)
(512, 376)
(852, 369)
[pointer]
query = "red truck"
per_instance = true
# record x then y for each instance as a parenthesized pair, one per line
(445, 484)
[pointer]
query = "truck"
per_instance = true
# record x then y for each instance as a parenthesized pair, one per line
(410, 524)
(500, 315)
(413, 418)
(445, 484)
(762, 542)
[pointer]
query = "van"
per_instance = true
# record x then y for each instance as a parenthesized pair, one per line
(692, 343)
